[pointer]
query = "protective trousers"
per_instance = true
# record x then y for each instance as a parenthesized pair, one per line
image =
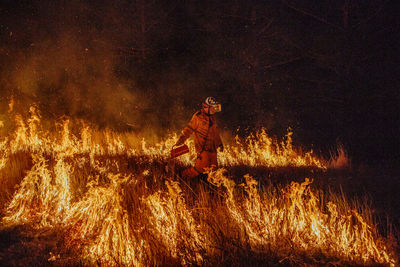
(204, 160)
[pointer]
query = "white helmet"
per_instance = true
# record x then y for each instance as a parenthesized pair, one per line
(212, 105)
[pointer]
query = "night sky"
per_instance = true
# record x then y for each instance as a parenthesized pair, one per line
(326, 69)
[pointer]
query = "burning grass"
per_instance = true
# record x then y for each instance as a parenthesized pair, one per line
(105, 198)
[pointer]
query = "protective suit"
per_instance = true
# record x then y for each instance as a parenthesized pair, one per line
(206, 140)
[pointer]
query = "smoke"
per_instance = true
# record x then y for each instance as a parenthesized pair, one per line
(130, 66)
(146, 66)
(66, 77)
(64, 59)
(98, 63)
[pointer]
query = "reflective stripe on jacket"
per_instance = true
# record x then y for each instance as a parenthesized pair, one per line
(206, 133)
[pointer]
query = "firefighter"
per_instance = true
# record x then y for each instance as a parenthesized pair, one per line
(206, 138)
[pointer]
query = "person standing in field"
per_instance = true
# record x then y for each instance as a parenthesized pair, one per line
(207, 140)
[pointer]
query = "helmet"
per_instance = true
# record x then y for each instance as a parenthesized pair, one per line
(211, 105)
(210, 101)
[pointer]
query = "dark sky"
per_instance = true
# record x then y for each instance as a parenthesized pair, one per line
(327, 69)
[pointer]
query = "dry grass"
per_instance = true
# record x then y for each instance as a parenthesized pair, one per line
(226, 242)
(113, 207)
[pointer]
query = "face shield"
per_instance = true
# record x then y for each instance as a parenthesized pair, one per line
(215, 108)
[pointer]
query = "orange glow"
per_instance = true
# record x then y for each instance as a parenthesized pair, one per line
(113, 215)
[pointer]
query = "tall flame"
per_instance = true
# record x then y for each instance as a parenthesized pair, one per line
(298, 216)
(115, 205)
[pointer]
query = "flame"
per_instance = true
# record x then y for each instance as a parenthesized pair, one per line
(4, 153)
(11, 105)
(115, 205)
(256, 150)
(100, 219)
(260, 150)
(173, 223)
(297, 215)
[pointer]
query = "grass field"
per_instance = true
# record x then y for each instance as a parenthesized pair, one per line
(72, 195)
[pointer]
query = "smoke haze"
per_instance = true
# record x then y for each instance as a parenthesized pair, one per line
(147, 66)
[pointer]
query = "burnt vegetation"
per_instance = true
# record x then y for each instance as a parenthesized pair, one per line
(79, 196)
(129, 74)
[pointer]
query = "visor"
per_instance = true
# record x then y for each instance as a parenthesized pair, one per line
(216, 107)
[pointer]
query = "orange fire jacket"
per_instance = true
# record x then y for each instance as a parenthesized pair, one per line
(206, 133)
